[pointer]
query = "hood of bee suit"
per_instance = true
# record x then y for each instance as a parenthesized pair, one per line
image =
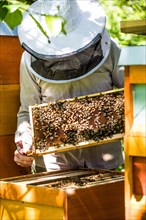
(65, 57)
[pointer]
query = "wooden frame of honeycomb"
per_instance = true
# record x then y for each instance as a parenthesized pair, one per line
(78, 122)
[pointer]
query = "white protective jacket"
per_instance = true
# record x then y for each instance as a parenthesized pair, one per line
(35, 90)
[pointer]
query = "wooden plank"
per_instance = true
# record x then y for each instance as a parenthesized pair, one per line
(68, 147)
(137, 208)
(32, 194)
(128, 180)
(10, 55)
(102, 171)
(39, 117)
(61, 174)
(136, 146)
(21, 210)
(93, 203)
(9, 100)
(49, 178)
(8, 167)
(138, 74)
(139, 175)
(36, 175)
(134, 27)
(128, 101)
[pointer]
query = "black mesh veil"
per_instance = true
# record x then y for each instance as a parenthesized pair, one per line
(67, 66)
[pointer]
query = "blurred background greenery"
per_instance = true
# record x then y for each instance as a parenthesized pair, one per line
(124, 10)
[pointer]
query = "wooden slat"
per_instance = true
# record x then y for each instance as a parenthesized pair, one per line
(32, 194)
(128, 183)
(136, 146)
(68, 147)
(49, 178)
(128, 124)
(10, 55)
(24, 210)
(103, 171)
(9, 101)
(61, 174)
(36, 175)
(128, 101)
(134, 27)
(8, 168)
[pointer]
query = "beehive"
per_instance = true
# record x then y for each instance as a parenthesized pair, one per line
(133, 58)
(10, 55)
(78, 122)
(91, 194)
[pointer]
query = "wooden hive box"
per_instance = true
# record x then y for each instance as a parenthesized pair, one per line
(91, 194)
(10, 55)
(133, 58)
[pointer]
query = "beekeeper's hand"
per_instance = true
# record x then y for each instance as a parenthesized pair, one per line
(22, 160)
(20, 156)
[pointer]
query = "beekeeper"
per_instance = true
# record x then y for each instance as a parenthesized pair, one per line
(79, 61)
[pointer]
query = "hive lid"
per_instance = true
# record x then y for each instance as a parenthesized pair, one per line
(133, 55)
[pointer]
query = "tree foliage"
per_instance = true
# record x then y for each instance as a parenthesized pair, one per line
(124, 10)
(11, 12)
(116, 10)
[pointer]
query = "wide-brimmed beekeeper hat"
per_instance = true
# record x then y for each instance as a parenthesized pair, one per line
(65, 57)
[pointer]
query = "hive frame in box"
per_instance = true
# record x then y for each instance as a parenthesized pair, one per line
(83, 144)
(29, 197)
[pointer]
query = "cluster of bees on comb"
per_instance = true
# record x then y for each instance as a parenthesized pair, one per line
(81, 119)
(84, 180)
